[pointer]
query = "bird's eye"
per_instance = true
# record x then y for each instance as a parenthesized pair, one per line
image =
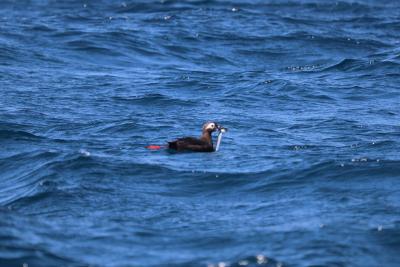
(212, 125)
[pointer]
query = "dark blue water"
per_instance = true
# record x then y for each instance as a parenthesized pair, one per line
(308, 174)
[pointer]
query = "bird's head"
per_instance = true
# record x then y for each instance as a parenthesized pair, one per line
(212, 127)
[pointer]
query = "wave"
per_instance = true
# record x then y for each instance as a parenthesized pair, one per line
(25, 174)
(14, 131)
(364, 66)
(307, 88)
(153, 7)
(20, 245)
(154, 99)
(251, 261)
(17, 135)
(92, 47)
(50, 167)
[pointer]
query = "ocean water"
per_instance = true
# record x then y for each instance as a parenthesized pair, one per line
(308, 174)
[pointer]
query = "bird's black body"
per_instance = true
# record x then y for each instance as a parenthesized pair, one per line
(191, 144)
(202, 144)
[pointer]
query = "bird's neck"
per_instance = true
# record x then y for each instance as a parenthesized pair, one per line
(206, 137)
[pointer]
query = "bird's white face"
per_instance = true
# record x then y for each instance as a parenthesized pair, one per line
(210, 126)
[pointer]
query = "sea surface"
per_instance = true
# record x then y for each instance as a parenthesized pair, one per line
(307, 175)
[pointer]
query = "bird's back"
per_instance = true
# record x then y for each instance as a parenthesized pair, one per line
(190, 144)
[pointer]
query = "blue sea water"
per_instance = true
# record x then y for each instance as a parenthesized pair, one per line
(308, 174)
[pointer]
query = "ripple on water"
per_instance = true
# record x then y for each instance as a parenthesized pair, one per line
(307, 174)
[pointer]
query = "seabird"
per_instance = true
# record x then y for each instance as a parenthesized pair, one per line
(202, 144)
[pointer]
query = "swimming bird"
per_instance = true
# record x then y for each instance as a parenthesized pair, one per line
(202, 144)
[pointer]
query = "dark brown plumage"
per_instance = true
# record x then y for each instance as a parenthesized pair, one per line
(202, 144)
